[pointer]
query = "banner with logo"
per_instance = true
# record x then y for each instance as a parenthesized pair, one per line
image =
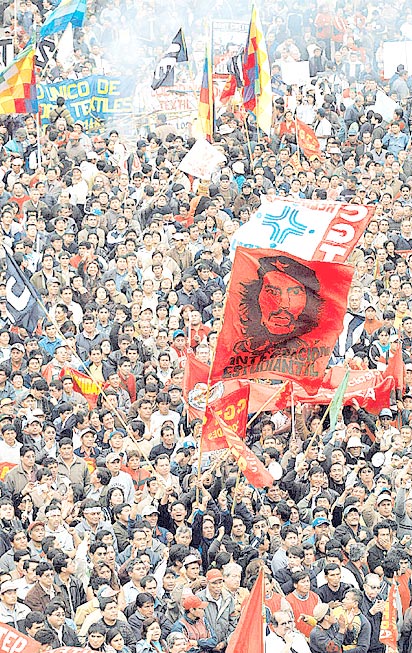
(315, 231)
(282, 318)
(90, 100)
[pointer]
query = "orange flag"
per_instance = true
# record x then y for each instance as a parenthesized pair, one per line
(248, 463)
(306, 139)
(249, 636)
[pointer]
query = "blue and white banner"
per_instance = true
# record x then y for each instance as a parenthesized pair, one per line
(312, 230)
(90, 100)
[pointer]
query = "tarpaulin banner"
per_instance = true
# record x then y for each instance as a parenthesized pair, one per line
(12, 641)
(90, 99)
(282, 318)
(314, 231)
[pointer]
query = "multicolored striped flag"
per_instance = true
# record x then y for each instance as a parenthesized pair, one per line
(68, 11)
(206, 106)
(257, 89)
(18, 92)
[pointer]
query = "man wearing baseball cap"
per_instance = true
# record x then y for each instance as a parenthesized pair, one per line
(194, 624)
(12, 612)
(220, 611)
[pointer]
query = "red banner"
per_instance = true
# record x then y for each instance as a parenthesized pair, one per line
(371, 398)
(396, 368)
(282, 319)
(233, 410)
(306, 139)
(12, 641)
(248, 463)
(84, 384)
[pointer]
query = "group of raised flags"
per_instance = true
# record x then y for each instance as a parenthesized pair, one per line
(249, 70)
(18, 92)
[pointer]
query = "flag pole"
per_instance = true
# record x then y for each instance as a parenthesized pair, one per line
(238, 475)
(38, 130)
(297, 139)
(15, 27)
(292, 412)
(267, 402)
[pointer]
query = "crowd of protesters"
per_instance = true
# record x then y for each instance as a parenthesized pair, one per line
(115, 532)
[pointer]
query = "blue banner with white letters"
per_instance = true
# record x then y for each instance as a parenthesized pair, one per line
(90, 100)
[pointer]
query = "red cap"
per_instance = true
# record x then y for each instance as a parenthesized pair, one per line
(192, 602)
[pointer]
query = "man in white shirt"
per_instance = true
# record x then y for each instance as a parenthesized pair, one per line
(284, 637)
(9, 447)
(164, 414)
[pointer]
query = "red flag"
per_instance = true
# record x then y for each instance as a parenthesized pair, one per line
(229, 89)
(15, 642)
(84, 384)
(255, 472)
(396, 368)
(282, 319)
(233, 409)
(4, 469)
(248, 636)
(195, 390)
(368, 387)
(388, 634)
(306, 139)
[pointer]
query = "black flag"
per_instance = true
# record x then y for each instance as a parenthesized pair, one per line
(234, 67)
(164, 72)
(21, 297)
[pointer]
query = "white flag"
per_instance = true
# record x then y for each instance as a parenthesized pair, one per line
(65, 49)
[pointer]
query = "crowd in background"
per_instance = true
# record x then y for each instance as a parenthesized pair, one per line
(109, 536)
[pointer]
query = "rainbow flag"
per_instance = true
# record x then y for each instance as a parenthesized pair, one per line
(257, 89)
(18, 92)
(68, 11)
(206, 107)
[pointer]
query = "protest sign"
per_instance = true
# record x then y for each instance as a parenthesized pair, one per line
(201, 160)
(228, 37)
(295, 72)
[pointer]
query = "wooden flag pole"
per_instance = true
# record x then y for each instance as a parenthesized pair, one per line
(239, 473)
(263, 406)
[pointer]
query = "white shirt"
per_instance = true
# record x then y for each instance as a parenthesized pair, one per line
(275, 644)
(10, 454)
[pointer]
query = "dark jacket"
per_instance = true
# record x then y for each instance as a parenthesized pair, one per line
(69, 637)
(73, 595)
(375, 624)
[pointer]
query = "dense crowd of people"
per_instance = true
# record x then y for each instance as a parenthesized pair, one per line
(116, 533)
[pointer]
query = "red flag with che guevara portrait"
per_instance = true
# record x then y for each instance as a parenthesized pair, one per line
(282, 319)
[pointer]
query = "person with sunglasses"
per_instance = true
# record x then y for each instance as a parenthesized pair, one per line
(283, 637)
(329, 632)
